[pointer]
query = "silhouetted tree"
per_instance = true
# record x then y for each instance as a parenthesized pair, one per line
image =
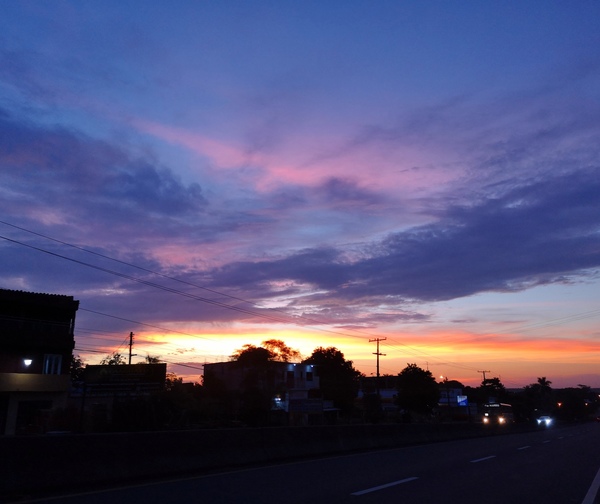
(172, 380)
(417, 390)
(115, 359)
(576, 403)
(454, 384)
(259, 383)
(251, 355)
(492, 389)
(539, 397)
(280, 351)
(76, 369)
(270, 350)
(339, 381)
(180, 403)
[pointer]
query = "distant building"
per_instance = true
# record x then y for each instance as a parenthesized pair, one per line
(36, 342)
(385, 387)
(118, 396)
(453, 404)
(291, 388)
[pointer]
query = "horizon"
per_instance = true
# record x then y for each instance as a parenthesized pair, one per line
(326, 174)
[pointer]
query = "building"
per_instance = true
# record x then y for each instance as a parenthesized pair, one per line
(291, 389)
(36, 341)
(453, 404)
(119, 397)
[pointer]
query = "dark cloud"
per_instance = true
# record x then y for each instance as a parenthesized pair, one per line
(53, 170)
(333, 192)
(337, 191)
(320, 267)
(542, 232)
(524, 213)
(538, 234)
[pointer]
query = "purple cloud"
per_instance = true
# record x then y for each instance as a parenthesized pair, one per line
(542, 232)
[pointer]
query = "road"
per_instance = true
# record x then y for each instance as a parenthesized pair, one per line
(550, 466)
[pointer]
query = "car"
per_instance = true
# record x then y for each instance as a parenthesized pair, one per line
(544, 420)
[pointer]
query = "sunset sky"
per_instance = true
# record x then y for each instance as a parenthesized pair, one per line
(327, 173)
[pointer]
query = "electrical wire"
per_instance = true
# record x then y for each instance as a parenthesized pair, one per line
(288, 318)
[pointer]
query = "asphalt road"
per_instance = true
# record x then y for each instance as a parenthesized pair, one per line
(549, 466)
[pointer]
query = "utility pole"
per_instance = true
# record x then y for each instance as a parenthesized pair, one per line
(378, 353)
(488, 371)
(130, 345)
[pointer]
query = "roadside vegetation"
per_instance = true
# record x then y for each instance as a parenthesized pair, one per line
(413, 395)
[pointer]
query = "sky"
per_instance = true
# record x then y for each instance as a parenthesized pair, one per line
(328, 173)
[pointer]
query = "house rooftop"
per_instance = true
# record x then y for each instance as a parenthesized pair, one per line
(6, 294)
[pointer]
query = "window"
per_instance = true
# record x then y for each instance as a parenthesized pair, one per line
(290, 379)
(309, 376)
(52, 363)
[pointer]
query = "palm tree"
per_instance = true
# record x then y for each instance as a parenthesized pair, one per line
(542, 394)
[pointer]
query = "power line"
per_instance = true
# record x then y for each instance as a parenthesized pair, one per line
(575, 317)
(148, 283)
(295, 320)
(168, 289)
(549, 323)
(224, 294)
(289, 318)
(153, 326)
(80, 349)
(141, 268)
(421, 354)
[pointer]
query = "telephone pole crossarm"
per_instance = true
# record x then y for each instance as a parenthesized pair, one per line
(483, 372)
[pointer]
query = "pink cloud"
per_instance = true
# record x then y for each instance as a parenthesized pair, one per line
(225, 155)
(403, 169)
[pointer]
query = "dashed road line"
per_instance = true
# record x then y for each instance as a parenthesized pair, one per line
(482, 459)
(387, 485)
(590, 497)
(524, 447)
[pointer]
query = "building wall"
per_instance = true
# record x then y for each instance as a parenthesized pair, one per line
(37, 341)
(289, 386)
(290, 376)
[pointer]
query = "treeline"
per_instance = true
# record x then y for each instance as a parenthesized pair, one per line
(416, 395)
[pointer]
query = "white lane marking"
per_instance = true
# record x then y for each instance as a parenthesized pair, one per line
(524, 447)
(547, 441)
(387, 485)
(482, 459)
(591, 495)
